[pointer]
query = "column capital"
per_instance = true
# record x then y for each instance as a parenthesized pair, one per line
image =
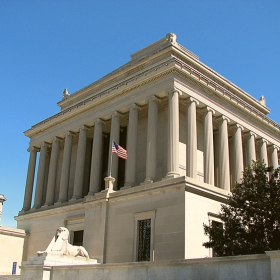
(45, 144)
(191, 99)
(84, 127)
(56, 139)
(98, 121)
(33, 148)
(273, 147)
(237, 126)
(153, 98)
(70, 133)
(249, 134)
(223, 118)
(117, 114)
(172, 91)
(261, 141)
(134, 106)
(207, 109)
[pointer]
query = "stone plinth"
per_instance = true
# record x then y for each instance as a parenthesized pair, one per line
(40, 265)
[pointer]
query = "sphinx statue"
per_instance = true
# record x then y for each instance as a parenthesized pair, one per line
(60, 245)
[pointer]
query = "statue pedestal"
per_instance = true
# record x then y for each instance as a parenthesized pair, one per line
(40, 266)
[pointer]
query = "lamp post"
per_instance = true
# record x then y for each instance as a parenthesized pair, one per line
(2, 200)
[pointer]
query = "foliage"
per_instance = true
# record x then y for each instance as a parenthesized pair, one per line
(251, 215)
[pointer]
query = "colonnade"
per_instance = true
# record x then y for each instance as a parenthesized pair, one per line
(268, 152)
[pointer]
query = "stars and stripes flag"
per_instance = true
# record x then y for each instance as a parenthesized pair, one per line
(120, 151)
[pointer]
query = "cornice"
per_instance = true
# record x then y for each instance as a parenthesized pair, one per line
(12, 232)
(177, 62)
(51, 210)
(118, 78)
(218, 82)
(97, 100)
(185, 183)
(201, 80)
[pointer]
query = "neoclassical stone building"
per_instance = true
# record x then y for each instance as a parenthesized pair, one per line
(188, 132)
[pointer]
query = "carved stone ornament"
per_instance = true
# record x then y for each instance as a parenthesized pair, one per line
(65, 93)
(262, 100)
(171, 37)
(60, 245)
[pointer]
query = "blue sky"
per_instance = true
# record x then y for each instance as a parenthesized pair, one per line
(46, 46)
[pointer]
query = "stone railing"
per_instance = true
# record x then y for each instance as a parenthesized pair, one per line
(250, 267)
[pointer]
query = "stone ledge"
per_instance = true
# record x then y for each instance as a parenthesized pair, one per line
(48, 259)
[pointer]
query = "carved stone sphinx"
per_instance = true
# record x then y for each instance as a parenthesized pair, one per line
(60, 245)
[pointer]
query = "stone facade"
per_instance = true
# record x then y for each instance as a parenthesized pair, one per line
(188, 132)
(252, 267)
(12, 242)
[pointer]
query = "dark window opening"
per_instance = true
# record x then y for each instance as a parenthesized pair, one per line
(105, 156)
(121, 168)
(216, 224)
(78, 238)
(144, 240)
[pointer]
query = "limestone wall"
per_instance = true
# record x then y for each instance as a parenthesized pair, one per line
(231, 268)
(12, 245)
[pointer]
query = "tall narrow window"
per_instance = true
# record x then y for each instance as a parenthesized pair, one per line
(216, 224)
(78, 238)
(144, 232)
(144, 240)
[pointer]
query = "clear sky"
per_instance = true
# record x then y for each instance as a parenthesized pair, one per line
(46, 46)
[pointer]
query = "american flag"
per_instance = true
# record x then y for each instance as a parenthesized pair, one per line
(120, 151)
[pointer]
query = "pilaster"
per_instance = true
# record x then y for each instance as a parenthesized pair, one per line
(173, 134)
(130, 165)
(208, 145)
(238, 152)
(191, 151)
(65, 170)
(96, 159)
(224, 175)
(151, 156)
(52, 171)
(41, 175)
(30, 178)
(80, 163)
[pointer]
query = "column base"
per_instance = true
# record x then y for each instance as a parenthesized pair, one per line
(127, 186)
(75, 199)
(23, 211)
(147, 181)
(45, 206)
(171, 175)
(59, 203)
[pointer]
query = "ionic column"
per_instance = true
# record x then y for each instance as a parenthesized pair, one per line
(80, 164)
(52, 171)
(208, 146)
(263, 151)
(251, 147)
(113, 162)
(96, 159)
(191, 152)
(238, 166)
(130, 165)
(151, 154)
(274, 156)
(65, 169)
(30, 178)
(173, 134)
(41, 175)
(224, 180)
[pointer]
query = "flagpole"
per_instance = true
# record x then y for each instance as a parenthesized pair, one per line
(110, 164)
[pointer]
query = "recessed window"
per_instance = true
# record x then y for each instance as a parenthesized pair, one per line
(216, 224)
(215, 221)
(144, 230)
(144, 240)
(78, 238)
